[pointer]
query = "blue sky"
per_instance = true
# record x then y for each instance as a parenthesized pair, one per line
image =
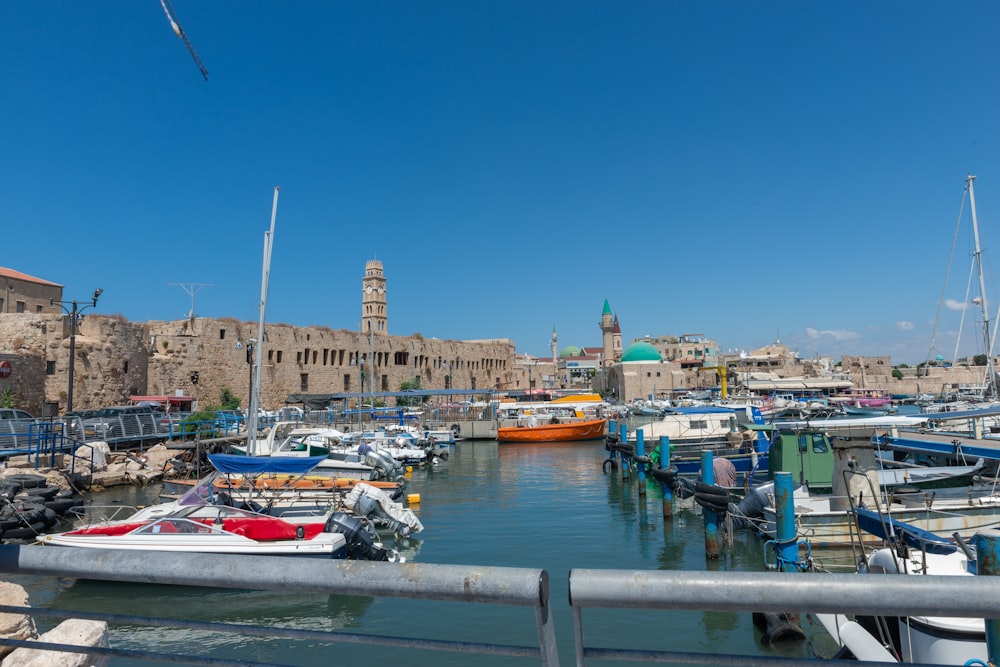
(744, 170)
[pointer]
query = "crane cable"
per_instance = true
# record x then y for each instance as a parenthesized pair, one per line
(179, 31)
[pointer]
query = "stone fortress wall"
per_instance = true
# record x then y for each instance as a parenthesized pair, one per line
(116, 359)
(314, 360)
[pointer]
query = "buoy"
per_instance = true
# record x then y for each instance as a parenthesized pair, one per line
(413, 499)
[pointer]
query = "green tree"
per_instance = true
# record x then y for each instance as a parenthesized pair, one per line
(229, 400)
(896, 373)
(979, 360)
(7, 398)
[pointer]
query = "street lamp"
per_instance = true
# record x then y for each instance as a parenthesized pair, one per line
(251, 344)
(75, 315)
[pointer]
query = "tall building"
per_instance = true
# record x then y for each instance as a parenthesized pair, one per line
(608, 326)
(373, 300)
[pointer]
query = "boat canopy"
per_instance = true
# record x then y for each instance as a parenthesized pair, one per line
(251, 465)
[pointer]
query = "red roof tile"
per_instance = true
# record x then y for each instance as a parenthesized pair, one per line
(17, 275)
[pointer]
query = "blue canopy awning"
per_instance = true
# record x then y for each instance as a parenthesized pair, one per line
(250, 465)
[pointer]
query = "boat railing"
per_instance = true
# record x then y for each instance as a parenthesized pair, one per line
(589, 589)
(88, 515)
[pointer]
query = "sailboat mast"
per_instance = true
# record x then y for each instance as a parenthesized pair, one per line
(990, 375)
(252, 425)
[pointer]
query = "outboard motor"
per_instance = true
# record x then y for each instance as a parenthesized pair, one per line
(388, 467)
(361, 543)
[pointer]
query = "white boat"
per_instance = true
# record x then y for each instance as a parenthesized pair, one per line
(939, 640)
(707, 426)
(829, 521)
(253, 490)
(208, 529)
(293, 439)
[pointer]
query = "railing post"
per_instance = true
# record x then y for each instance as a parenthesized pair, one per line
(988, 564)
(786, 547)
(640, 450)
(621, 452)
(711, 518)
(668, 493)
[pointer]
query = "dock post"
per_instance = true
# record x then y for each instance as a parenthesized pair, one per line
(711, 518)
(786, 546)
(668, 493)
(640, 451)
(988, 563)
(626, 462)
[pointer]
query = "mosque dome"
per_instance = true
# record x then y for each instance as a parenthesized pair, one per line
(641, 351)
(570, 351)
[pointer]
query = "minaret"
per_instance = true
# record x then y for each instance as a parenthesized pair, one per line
(616, 340)
(373, 300)
(555, 346)
(607, 335)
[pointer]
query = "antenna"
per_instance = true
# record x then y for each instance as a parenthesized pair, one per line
(179, 31)
(192, 289)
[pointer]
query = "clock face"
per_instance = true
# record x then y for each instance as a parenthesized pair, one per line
(381, 290)
(369, 289)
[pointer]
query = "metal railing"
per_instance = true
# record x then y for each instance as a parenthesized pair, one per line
(607, 589)
(457, 583)
(33, 438)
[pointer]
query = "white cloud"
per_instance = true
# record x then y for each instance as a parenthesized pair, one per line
(839, 335)
(905, 326)
(952, 304)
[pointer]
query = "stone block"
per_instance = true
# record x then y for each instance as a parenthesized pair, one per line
(15, 626)
(74, 632)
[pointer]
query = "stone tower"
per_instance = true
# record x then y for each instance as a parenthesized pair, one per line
(373, 300)
(607, 335)
(555, 346)
(616, 340)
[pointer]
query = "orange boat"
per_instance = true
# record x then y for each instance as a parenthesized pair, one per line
(590, 429)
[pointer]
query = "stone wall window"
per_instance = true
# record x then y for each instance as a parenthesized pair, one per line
(303, 381)
(19, 306)
(50, 368)
(222, 334)
(347, 381)
(385, 383)
(279, 357)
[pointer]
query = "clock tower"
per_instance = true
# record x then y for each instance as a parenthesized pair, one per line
(373, 300)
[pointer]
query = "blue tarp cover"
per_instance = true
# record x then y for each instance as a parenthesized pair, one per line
(250, 465)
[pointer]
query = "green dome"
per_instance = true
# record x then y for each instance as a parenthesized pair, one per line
(570, 351)
(641, 352)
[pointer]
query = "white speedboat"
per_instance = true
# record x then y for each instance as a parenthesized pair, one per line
(208, 529)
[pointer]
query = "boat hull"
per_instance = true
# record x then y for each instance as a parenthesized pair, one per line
(837, 528)
(591, 429)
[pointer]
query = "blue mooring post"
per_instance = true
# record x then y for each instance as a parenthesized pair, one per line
(786, 546)
(640, 450)
(621, 452)
(668, 493)
(711, 518)
(988, 563)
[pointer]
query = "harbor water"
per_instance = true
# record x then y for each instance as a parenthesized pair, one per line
(554, 506)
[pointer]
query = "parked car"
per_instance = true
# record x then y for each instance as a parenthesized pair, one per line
(15, 413)
(119, 422)
(73, 422)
